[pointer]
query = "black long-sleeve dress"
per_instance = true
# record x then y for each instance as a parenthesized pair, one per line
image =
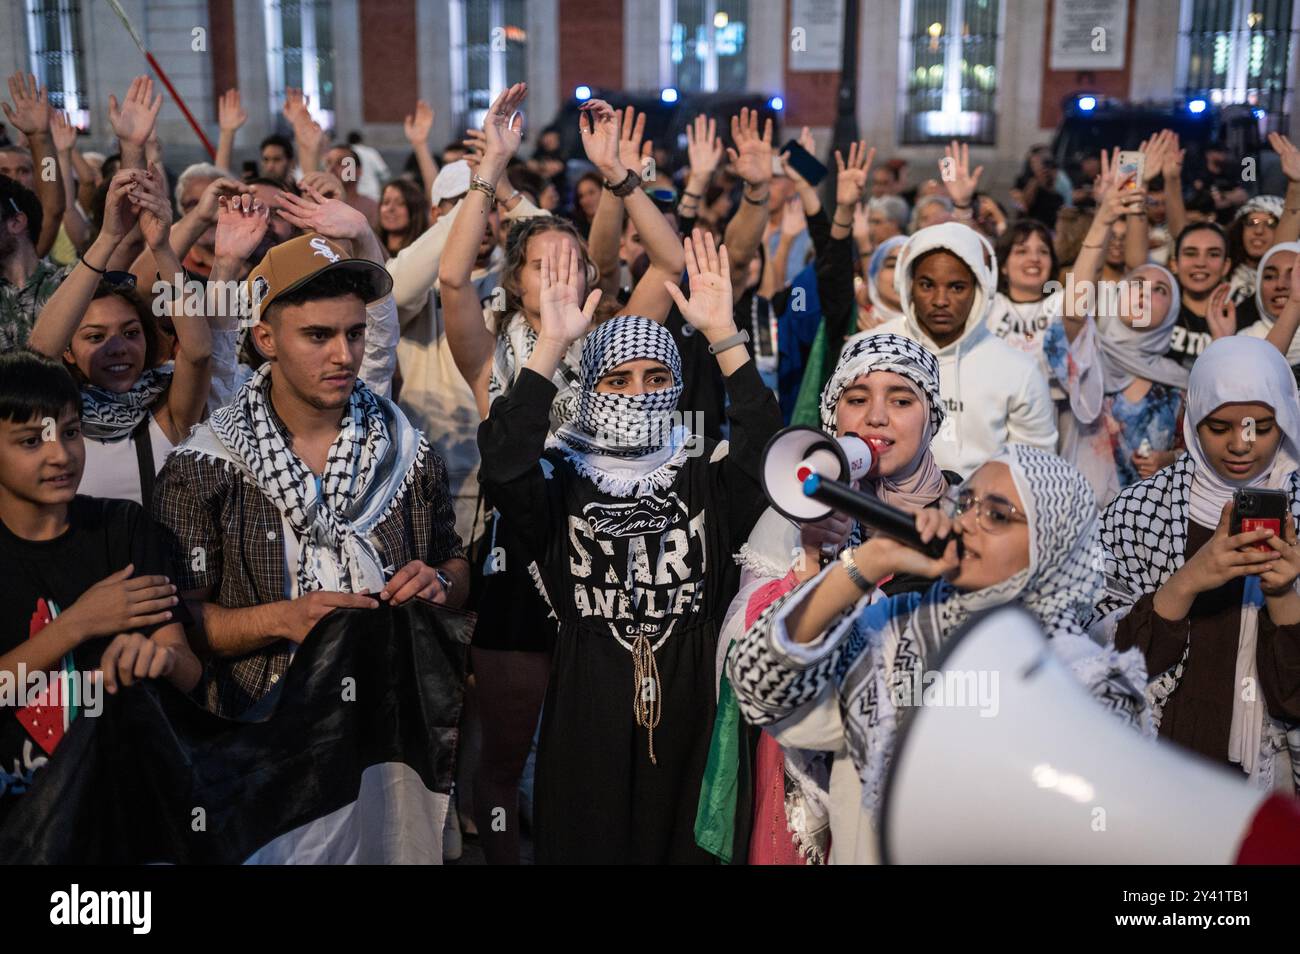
(614, 568)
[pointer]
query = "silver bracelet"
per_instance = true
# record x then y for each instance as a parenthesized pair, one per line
(851, 568)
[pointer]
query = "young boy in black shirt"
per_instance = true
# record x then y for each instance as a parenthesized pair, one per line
(84, 584)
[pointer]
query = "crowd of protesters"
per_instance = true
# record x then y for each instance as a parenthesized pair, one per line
(540, 389)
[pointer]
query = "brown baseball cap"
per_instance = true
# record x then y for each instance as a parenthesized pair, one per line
(292, 264)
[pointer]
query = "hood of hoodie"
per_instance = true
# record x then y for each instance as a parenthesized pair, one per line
(1264, 314)
(973, 249)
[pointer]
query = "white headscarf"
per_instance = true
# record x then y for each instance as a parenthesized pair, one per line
(1128, 353)
(1239, 370)
(874, 268)
(1266, 316)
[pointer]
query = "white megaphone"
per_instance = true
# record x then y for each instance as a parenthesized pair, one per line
(795, 454)
(1047, 775)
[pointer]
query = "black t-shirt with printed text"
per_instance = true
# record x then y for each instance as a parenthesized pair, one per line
(1192, 334)
(44, 578)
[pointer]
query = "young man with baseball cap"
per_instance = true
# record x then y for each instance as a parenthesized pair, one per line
(308, 492)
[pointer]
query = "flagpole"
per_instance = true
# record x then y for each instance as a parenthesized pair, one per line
(166, 80)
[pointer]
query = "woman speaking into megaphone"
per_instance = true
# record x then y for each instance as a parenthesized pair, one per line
(842, 661)
(884, 390)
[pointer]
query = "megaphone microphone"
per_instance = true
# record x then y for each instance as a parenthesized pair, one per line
(800, 457)
(875, 513)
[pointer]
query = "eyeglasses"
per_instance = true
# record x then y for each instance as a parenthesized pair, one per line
(993, 512)
(1255, 222)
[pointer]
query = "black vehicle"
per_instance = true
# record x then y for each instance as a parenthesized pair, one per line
(666, 122)
(1093, 123)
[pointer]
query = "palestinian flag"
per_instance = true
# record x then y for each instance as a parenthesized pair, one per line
(350, 760)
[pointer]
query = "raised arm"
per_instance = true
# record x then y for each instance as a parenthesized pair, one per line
(1082, 276)
(472, 344)
(30, 115)
(133, 122)
(307, 133)
(192, 225)
(609, 150)
(416, 126)
(188, 394)
(1175, 210)
(752, 161)
(230, 117)
(64, 136)
(960, 182)
(58, 320)
(703, 152)
(1288, 226)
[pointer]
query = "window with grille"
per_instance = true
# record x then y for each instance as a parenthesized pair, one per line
(300, 54)
(1239, 52)
(54, 39)
(949, 59)
(489, 53)
(706, 44)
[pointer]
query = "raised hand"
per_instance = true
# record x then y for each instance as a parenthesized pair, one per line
(1156, 149)
(1172, 167)
(563, 319)
(230, 111)
(416, 126)
(332, 218)
(793, 219)
(133, 121)
(1286, 151)
(149, 196)
(62, 131)
(327, 184)
(851, 181)
(241, 226)
(30, 112)
(709, 309)
(1221, 314)
(602, 139)
(210, 201)
(295, 107)
(956, 175)
(703, 147)
(120, 215)
(752, 157)
(503, 126)
(631, 151)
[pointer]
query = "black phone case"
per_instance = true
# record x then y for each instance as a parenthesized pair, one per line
(1265, 504)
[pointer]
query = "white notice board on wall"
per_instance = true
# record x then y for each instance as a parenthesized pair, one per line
(1089, 34)
(816, 31)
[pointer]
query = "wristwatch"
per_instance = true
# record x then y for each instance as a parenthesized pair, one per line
(445, 581)
(625, 188)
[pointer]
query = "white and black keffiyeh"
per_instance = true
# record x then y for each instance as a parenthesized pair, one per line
(1144, 530)
(627, 444)
(867, 352)
(874, 656)
(1244, 280)
(513, 349)
(109, 416)
(368, 469)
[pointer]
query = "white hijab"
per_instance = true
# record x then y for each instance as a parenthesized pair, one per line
(1128, 353)
(1239, 370)
(1266, 316)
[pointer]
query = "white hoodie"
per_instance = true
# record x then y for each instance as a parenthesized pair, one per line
(994, 394)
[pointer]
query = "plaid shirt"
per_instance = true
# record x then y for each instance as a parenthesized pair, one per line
(203, 503)
(19, 307)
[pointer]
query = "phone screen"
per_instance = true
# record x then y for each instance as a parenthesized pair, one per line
(804, 163)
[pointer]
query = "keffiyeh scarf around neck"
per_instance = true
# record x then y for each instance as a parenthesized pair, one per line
(109, 416)
(921, 482)
(514, 347)
(368, 470)
(1144, 530)
(626, 444)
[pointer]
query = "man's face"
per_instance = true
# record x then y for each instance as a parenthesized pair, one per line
(17, 165)
(882, 182)
(41, 459)
(881, 227)
(339, 162)
(1202, 262)
(316, 348)
(275, 162)
(190, 195)
(943, 290)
